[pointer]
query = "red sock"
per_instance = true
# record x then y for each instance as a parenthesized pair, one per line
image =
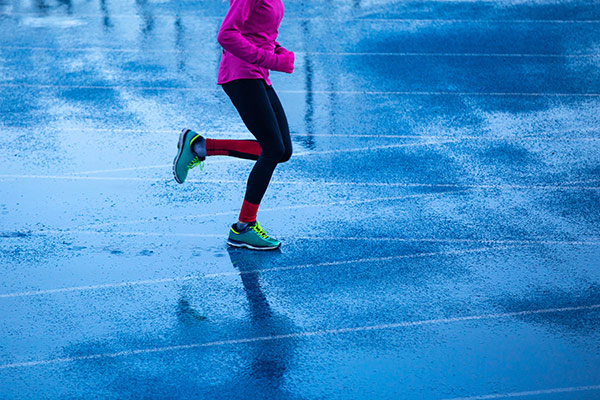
(225, 147)
(248, 213)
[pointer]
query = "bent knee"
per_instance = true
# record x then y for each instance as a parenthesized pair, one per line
(275, 153)
(287, 154)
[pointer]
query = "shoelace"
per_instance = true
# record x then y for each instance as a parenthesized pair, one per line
(196, 161)
(256, 228)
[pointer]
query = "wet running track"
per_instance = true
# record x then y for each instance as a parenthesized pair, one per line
(440, 216)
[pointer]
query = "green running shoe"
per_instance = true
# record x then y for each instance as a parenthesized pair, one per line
(252, 237)
(186, 159)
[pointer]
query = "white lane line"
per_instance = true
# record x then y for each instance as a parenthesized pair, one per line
(593, 242)
(442, 93)
(147, 234)
(296, 335)
(371, 148)
(440, 138)
(563, 186)
(282, 208)
(414, 185)
(298, 154)
(325, 19)
(584, 181)
(590, 242)
(85, 178)
(308, 53)
(421, 54)
(126, 169)
(247, 135)
(290, 91)
(105, 87)
(235, 273)
(454, 20)
(529, 393)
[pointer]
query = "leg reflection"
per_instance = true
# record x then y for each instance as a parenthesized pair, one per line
(269, 359)
(248, 264)
(106, 21)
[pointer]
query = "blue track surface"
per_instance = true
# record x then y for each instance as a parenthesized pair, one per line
(440, 216)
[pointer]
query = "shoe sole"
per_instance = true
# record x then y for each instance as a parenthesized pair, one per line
(179, 151)
(239, 245)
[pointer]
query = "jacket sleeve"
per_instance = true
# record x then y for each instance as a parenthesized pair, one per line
(231, 39)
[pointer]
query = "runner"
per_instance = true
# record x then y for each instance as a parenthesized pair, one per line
(247, 36)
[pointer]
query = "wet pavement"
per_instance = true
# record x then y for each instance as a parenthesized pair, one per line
(440, 215)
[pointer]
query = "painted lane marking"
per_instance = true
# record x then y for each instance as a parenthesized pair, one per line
(281, 208)
(84, 178)
(247, 135)
(423, 54)
(564, 186)
(529, 393)
(324, 332)
(291, 91)
(309, 53)
(299, 154)
(161, 166)
(589, 242)
(592, 242)
(148, 234)
(219, 18)
(414, 185)
(442, 93)
(236, 273)
(370, 148)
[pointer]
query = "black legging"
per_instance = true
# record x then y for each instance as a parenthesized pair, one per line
(261, 111)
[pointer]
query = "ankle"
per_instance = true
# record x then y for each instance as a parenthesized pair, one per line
(198, 146)
(248, 212)
(241, 225)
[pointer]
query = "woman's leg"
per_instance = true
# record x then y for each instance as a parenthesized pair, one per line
(246, 149)
(251, 149)
(282, 121)
(250, 97)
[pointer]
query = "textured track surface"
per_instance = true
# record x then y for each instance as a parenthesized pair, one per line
(440, 216)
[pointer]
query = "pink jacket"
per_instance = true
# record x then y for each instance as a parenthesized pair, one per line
(247, 36)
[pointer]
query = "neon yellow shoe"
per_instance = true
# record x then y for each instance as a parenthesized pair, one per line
(186, 158)
(252, 237)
